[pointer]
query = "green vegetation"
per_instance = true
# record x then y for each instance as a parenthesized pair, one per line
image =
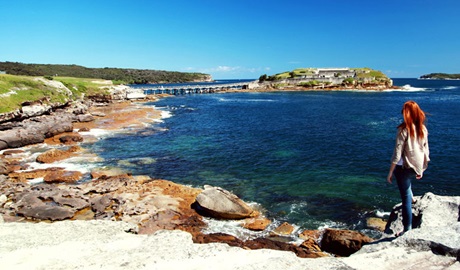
(441, 76)
(361, 75)
(124, 76)
(15, 90)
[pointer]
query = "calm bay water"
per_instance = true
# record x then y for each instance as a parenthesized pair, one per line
(309, 158)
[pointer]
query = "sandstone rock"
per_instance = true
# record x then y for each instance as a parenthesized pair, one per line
(283, 229)
(47, 212)
(256, 224)
(85, 118)
(311, 245)
(343, 242)
(430, 210)
(264, 243)
(3, 199)
(219, 203)
(53, 155)
(4, 167)
(63, 176)
(12, 152)
(84, 129)
(71, 139)
(310, 234)
(376, 223)
(34, 110)
(99, 204)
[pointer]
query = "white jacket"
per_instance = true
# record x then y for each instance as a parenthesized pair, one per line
(414, 152)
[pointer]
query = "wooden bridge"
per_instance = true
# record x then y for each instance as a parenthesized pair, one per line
(192, 88)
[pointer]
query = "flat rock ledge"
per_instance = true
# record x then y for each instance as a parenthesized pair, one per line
(109, 245)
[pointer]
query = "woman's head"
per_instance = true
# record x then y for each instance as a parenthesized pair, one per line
(414, 117)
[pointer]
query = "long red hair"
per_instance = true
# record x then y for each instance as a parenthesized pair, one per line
(414, 119)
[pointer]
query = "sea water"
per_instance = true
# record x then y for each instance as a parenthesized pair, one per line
(314, 159)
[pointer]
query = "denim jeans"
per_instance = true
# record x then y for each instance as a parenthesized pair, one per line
(403, 177)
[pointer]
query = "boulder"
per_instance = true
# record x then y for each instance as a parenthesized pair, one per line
(221, 204)
(85, 118)
(430, 210)
(343, 242)
(71, 138)
(256, 224)
(283, 230)
(376, 223)
(62, 176)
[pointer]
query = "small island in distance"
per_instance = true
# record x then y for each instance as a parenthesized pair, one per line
(328, 79)
(440, 76)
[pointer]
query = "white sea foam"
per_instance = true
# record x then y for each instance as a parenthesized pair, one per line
(96, 132)
(244, 100)
(407, 88)
(449, 87)
(381, 214)
(166, 114)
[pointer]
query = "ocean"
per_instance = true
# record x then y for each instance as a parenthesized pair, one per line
(314, 159)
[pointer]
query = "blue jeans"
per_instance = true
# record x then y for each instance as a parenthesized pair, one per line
(403, 177)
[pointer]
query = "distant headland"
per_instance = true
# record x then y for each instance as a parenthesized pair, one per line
(440, 76)
(117, 75)
(328, 79)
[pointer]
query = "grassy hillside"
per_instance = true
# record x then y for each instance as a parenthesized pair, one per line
(14, 90)
(125, 76)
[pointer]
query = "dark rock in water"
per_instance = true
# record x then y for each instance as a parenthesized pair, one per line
(71, 139)
(343, 242)
(219, 203)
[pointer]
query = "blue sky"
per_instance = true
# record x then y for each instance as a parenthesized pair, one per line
(235, 39)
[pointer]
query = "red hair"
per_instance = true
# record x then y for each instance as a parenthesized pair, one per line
(414, 118)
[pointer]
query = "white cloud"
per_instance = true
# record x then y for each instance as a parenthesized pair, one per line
(227, 69)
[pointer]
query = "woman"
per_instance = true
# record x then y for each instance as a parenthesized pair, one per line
(410, 157)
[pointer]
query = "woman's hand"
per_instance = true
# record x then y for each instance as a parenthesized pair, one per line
(389, 178)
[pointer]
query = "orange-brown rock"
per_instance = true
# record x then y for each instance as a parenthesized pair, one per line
(256, 224)
(63, 176)
(376, 223)
(283, 229)
(53, 155)
(34, 174)
(12, 152)
(311, 244)
(343, 242)
(310, 234)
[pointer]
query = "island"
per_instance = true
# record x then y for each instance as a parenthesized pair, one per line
(328, 79)
(440, 76)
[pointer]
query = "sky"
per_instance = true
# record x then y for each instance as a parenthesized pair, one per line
(235, 39)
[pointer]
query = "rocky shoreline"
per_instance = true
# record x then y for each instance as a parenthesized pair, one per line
(153, 205)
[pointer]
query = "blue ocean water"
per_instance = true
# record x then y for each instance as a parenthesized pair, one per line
(310, 158)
